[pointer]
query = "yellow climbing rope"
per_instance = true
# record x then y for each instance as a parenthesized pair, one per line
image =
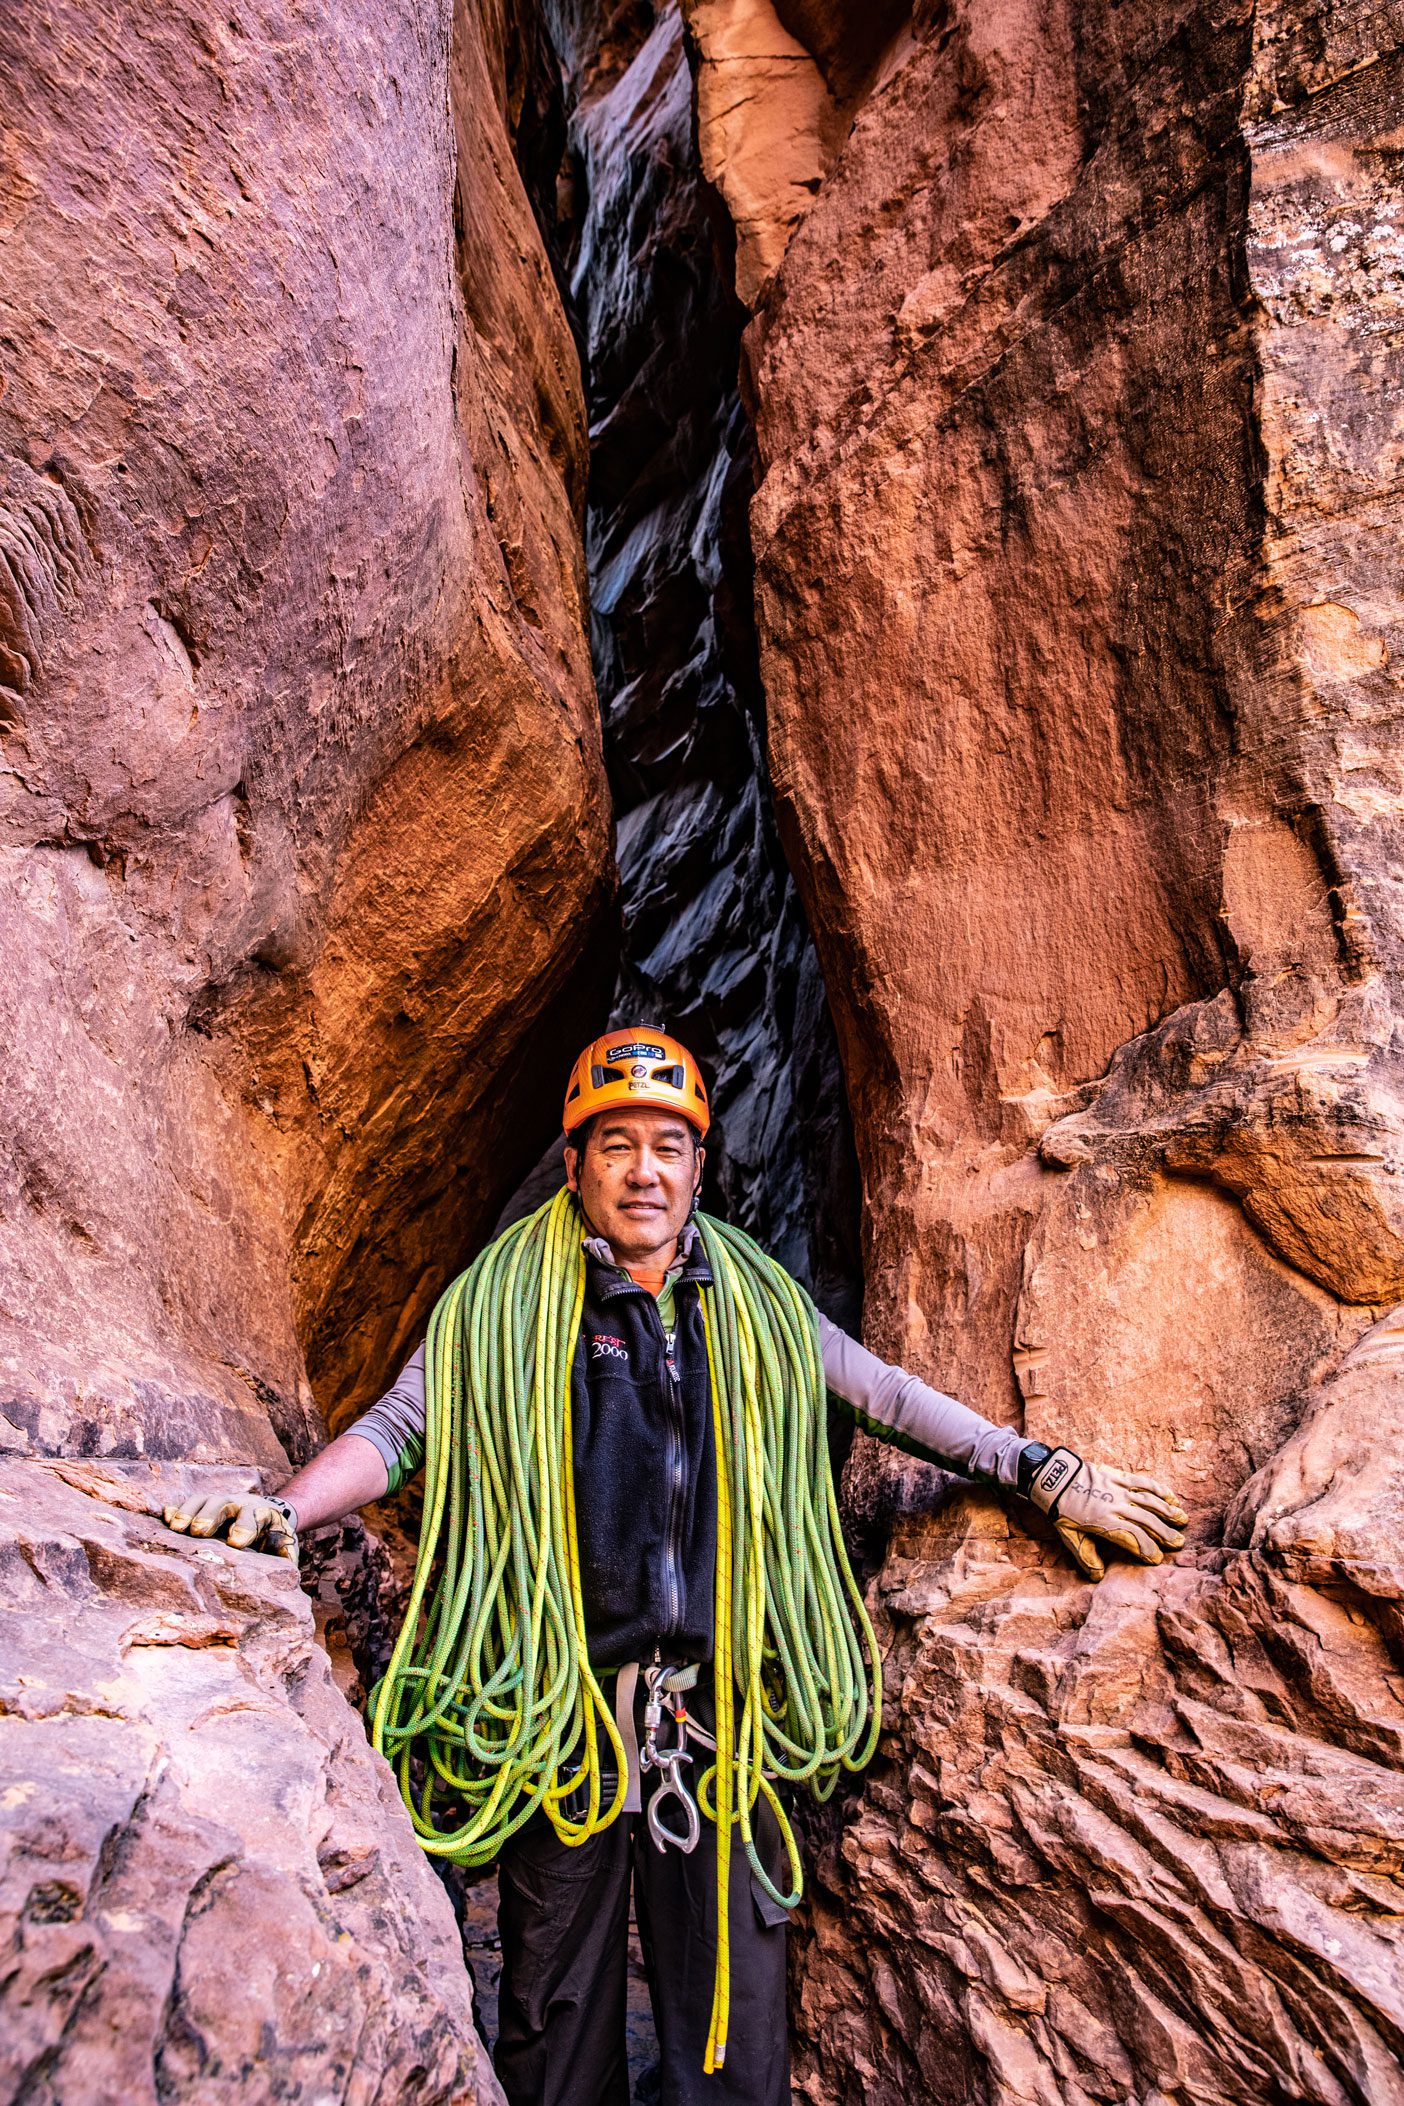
(489, 1709)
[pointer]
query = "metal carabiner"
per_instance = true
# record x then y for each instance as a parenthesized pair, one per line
(668, 1763)
(671, 1785)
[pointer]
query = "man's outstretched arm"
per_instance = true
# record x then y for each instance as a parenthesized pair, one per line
(1083, 1500)
(378, 1454)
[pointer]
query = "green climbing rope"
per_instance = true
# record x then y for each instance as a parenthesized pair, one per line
(489, 1710)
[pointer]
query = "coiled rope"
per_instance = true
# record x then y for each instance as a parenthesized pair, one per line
(489, 1710)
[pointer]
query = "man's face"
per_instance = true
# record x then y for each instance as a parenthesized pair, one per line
(636, 1181)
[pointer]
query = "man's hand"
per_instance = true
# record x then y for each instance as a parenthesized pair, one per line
(1084, 1500)
(255, 1522)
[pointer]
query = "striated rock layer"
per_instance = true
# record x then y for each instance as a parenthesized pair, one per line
(1073, 367)
(302, 816)
(303, 846)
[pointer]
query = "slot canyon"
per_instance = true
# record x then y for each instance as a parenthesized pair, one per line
(861, 534)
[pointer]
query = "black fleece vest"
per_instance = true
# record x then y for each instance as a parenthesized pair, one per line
(645, 1470)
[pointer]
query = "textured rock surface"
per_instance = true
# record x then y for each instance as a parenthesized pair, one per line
(1073, 372)
(714, 942)
(1142, 1844)
(303, 841)
(206, 1888)
(1076, 541)
(302, 818)
(778, 82)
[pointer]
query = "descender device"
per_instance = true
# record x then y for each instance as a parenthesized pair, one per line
(669, 1762)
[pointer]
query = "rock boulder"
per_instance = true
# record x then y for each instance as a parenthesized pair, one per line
(208, 1889)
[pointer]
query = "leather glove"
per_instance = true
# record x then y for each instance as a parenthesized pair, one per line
(256, 1522)
(1084, 1500)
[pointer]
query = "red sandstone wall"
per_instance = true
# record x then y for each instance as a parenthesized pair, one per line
(1072, 365)
(303, 834)
(303, 814)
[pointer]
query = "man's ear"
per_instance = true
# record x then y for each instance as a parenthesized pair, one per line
(697, 1178)
(572, 1168)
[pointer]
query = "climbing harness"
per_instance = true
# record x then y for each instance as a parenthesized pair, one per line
(489, 1710)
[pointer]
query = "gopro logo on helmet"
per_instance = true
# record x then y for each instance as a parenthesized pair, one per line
(638, 1050)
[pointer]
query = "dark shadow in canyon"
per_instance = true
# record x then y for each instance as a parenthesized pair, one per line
(714, 941)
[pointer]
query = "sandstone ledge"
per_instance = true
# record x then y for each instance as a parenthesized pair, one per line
(209, 1889)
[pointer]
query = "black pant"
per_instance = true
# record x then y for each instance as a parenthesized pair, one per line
(564, 1919)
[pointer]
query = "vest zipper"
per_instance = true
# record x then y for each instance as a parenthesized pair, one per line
(677, 1430)
(676, 1457)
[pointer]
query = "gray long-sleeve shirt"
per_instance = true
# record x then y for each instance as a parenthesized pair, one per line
(884, 1400)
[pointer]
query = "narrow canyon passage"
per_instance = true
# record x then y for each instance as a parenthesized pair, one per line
(714, 942)
(874, 535)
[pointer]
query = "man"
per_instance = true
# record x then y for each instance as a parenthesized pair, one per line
(643, 1477)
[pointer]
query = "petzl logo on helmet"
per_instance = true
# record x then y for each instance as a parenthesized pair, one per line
(637, 1049)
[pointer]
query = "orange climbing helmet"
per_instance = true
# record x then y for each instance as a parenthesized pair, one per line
(635, 1068)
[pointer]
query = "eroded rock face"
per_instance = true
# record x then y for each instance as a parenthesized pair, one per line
(303, 842)
(777, 85)
(1136, 1844)
(1075, 544)
(302, 810)
(207, 1886)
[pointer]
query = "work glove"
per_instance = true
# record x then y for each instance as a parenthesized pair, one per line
(255, 1521)
(1084, 1500)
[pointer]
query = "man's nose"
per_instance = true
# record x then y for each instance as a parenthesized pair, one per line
(643, 1170)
